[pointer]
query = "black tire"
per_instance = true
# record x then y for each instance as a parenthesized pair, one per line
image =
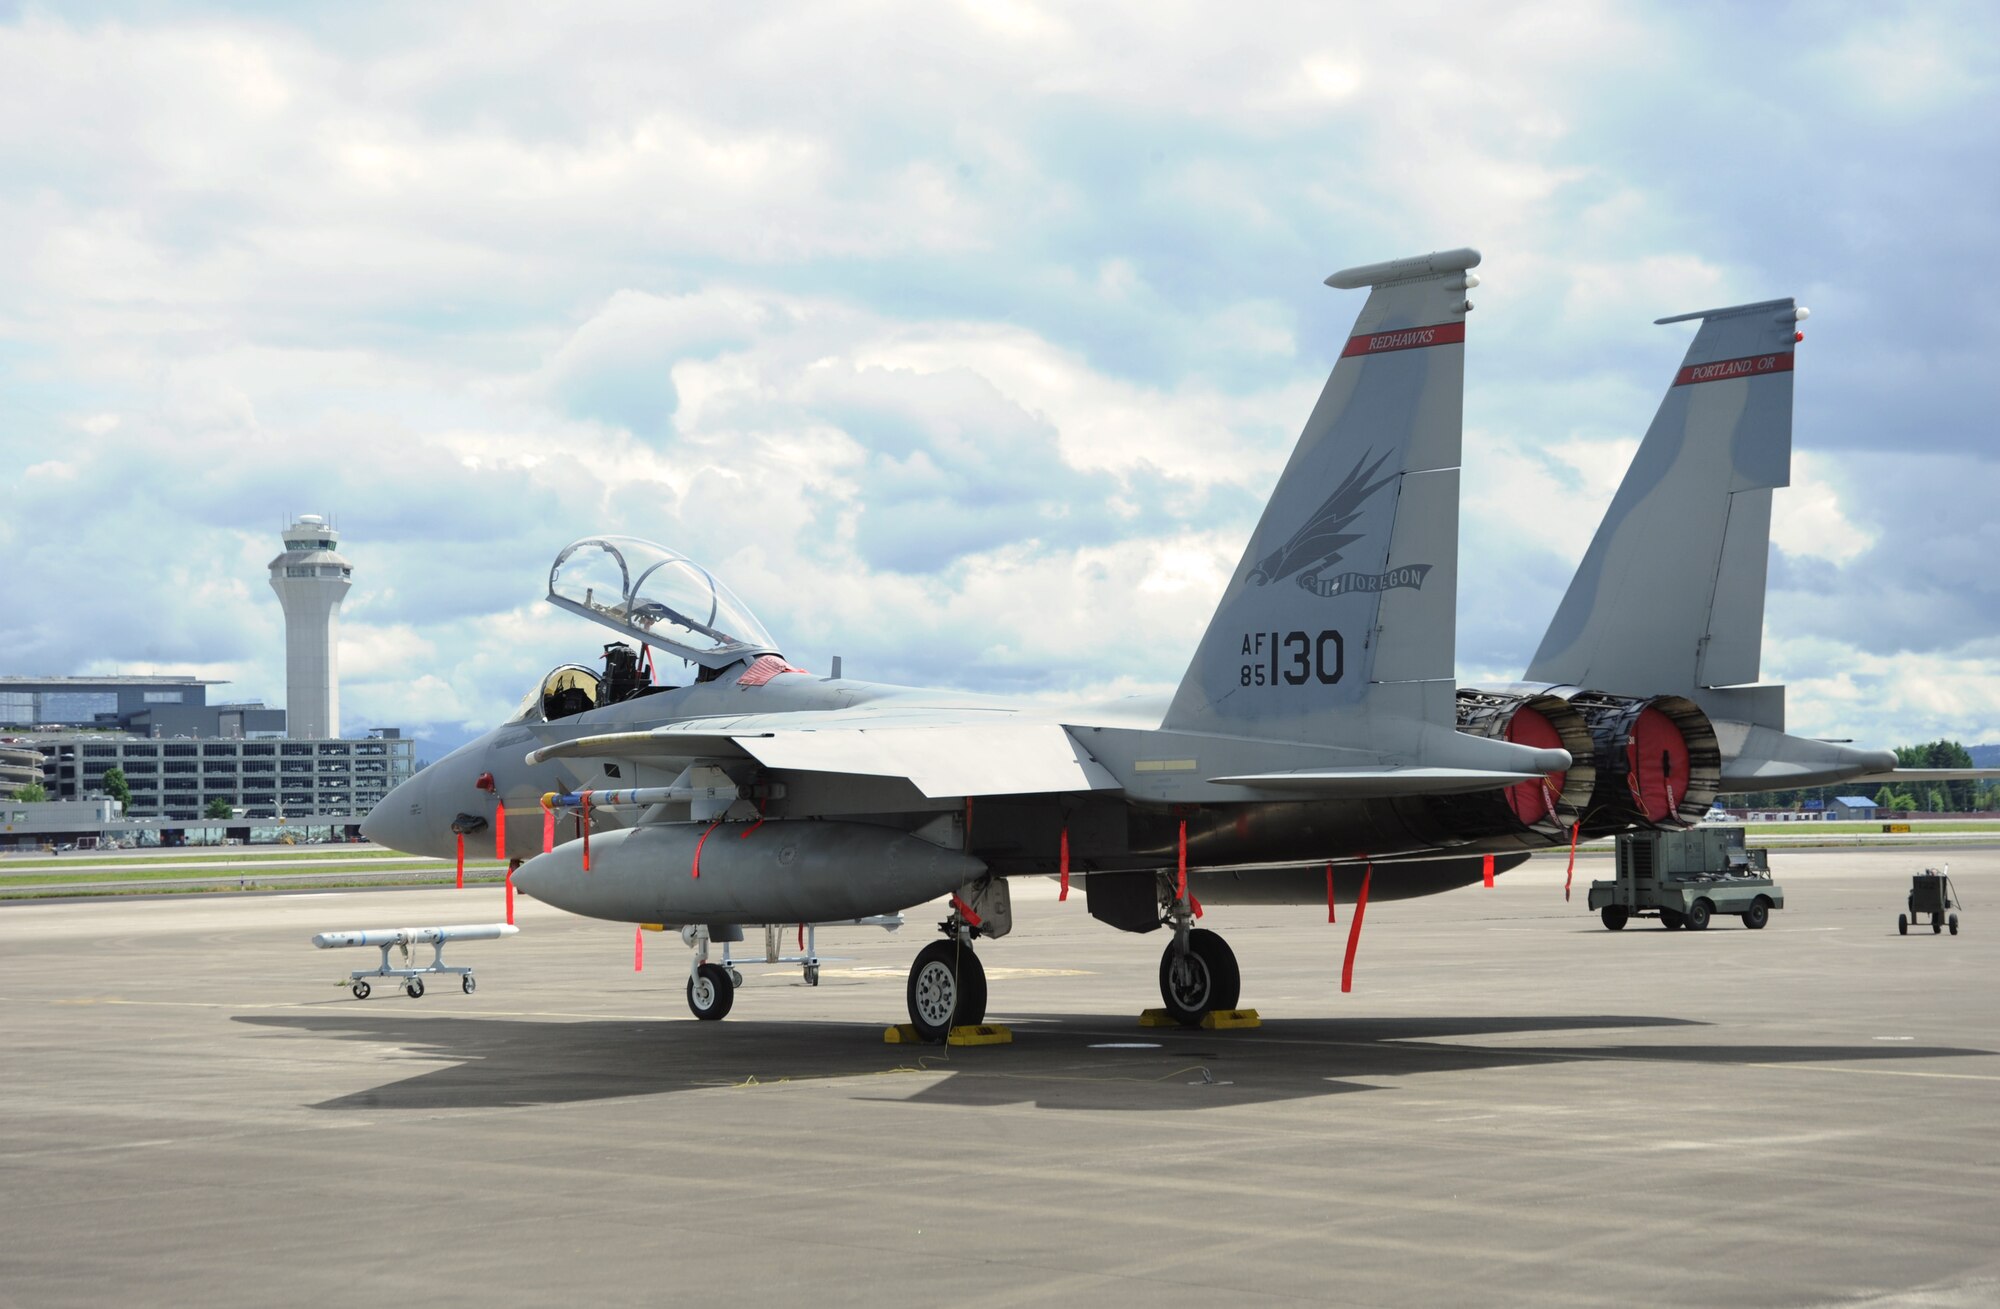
(735, 976)
(1758, 914)
(1205, 979)
(1698, 915)
(1672, 919)
(414, 988)
(937, 991)
(1902, 924)
(812, 974)
(1937, 924)
(1615, 917)
(467, 984)
(361, 990)
(1953, 922)
(709, 993)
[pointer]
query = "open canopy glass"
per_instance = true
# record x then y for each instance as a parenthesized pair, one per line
(657, 596)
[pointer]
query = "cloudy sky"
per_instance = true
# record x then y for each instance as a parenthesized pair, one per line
(964, 340)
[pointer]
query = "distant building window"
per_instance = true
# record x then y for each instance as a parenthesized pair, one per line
(165, 697)
(180, 751)
(77, 706)
(219, 751)
(100, 752)
(257, 751)
(294, 749)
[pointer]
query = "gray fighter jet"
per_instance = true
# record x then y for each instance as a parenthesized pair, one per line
(1317, 734)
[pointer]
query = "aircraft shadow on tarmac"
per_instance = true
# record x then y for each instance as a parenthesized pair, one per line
(1066, 1061)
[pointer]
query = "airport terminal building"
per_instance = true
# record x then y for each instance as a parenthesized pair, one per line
(176, 778)
(179, 753)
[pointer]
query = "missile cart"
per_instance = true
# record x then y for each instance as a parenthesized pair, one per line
(1686, 878)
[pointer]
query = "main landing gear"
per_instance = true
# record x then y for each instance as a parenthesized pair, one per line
(1198, 971)
(947, 985)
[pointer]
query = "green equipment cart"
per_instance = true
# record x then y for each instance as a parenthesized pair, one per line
(1685, 878)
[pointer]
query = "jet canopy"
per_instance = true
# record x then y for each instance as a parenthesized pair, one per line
(657, 596)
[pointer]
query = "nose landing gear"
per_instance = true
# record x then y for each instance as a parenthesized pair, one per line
(711, 988)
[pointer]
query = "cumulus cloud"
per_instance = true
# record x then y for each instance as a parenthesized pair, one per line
(965, 341)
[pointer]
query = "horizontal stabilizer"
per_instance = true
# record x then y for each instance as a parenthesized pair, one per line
(947, 760)
(1367, 783)
(1931, 775)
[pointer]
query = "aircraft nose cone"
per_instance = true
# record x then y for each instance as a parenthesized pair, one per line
(397, 822)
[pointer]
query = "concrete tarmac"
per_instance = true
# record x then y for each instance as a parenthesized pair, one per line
(1513, 1106)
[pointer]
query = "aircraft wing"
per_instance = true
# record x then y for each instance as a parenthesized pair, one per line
(1363, 783)
(946, 760)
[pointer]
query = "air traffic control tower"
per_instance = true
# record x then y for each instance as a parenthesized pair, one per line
(311, 580)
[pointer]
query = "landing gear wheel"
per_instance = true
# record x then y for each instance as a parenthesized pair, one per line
(812, 974)
(947, 988)
(414, 988)
(736, 977)
(467, 984)
(1757, 915)
(1698, 914)
(1204, 979)
(1954, 924)
(361, 990)
(1615, 917)
(709, 992)
(1902, 924)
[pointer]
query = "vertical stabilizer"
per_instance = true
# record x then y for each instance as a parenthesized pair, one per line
(1342, 608)
(1669, 599)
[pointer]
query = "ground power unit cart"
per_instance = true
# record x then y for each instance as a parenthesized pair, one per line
(1686, 878)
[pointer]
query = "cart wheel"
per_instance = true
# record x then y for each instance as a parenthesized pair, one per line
(1937, 924)
(1614, 916)
(1672, 920)
(468, 984)
(1902, 924)
(1758, 914)
(414, 988)
(361, 990)
(1954, 924)
(1697, 915)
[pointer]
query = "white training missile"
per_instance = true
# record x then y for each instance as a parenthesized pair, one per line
(796, 871)
(415, 935)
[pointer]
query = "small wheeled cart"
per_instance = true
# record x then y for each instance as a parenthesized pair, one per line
(387, 939)
(1932, 893)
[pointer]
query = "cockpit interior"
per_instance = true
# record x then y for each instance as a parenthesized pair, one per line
(650, 594)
